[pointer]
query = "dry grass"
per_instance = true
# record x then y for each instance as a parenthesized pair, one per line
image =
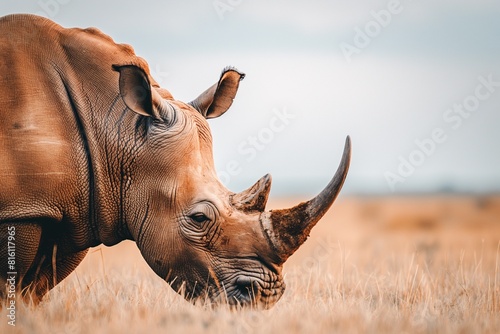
(373, 265)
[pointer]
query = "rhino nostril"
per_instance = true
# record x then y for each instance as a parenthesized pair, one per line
(245, 286)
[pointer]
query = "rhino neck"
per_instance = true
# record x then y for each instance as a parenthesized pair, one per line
(110, 136)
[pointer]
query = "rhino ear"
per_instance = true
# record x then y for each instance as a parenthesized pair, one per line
(216, 100)
(136, 91)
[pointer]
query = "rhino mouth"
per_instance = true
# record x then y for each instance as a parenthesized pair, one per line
(259, 287)
(242, 291)
(250, 291)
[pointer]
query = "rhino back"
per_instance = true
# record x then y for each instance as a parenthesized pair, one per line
(56, 87)
(40, 147)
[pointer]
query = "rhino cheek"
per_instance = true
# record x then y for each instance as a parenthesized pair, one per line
(157, 263)
(182, 276)
(188, 274)
(157, 247)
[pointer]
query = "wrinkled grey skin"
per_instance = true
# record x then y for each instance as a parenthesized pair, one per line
(94, 151)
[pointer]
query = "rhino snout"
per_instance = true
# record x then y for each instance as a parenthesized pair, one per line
(247, 290)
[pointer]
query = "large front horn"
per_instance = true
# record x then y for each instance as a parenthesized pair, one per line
(288, 229)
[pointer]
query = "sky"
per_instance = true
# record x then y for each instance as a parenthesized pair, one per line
(414, 83)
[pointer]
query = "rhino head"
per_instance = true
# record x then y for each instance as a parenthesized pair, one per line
(204, 240)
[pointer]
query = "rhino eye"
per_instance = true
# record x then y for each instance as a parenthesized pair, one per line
(199, 225)
(199, 218)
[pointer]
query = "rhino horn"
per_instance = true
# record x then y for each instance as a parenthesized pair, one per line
(287, 229)
(255, 197)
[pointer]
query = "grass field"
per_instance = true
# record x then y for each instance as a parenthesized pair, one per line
(372, 265)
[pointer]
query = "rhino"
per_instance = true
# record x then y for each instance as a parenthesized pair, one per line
(93, 151)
